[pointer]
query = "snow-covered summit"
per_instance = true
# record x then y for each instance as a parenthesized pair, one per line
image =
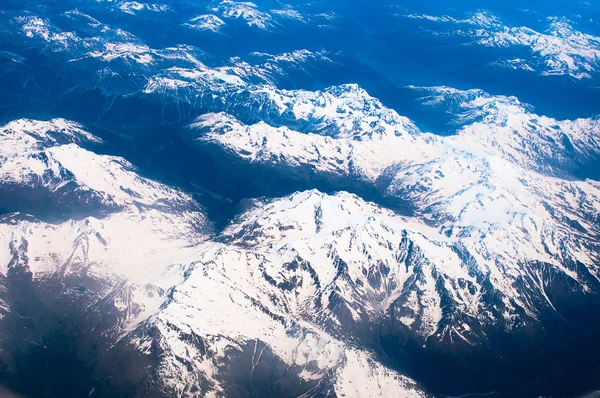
(45, 133)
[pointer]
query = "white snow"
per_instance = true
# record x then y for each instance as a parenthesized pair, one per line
(245, 11)
(363, 377)
(206, 22)
(140, 254)
(559, 50)
(46, 153)
(132, 7)
(487, 188)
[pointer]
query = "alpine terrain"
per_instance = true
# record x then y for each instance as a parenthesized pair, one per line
(306, 199)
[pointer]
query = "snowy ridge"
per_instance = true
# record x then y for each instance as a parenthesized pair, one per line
(263, 143)
(560, 50)
(489, 125)
(477, 188)
(26, 132)
(345, 111)
(135, 282)
(100, 248)
(101, 42)
(206, 22)
(126, 64)
(515, 64)
(239, 84)
(505, 127)
(247, 12)
(254, 16)
(188, 83)
(45, 154)
(296, 58)
(34, 27)
(132, 7)
(230, 79)
(289, 12)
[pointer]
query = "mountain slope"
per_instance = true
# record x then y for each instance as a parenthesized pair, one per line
(139, 276)
(515, 233)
